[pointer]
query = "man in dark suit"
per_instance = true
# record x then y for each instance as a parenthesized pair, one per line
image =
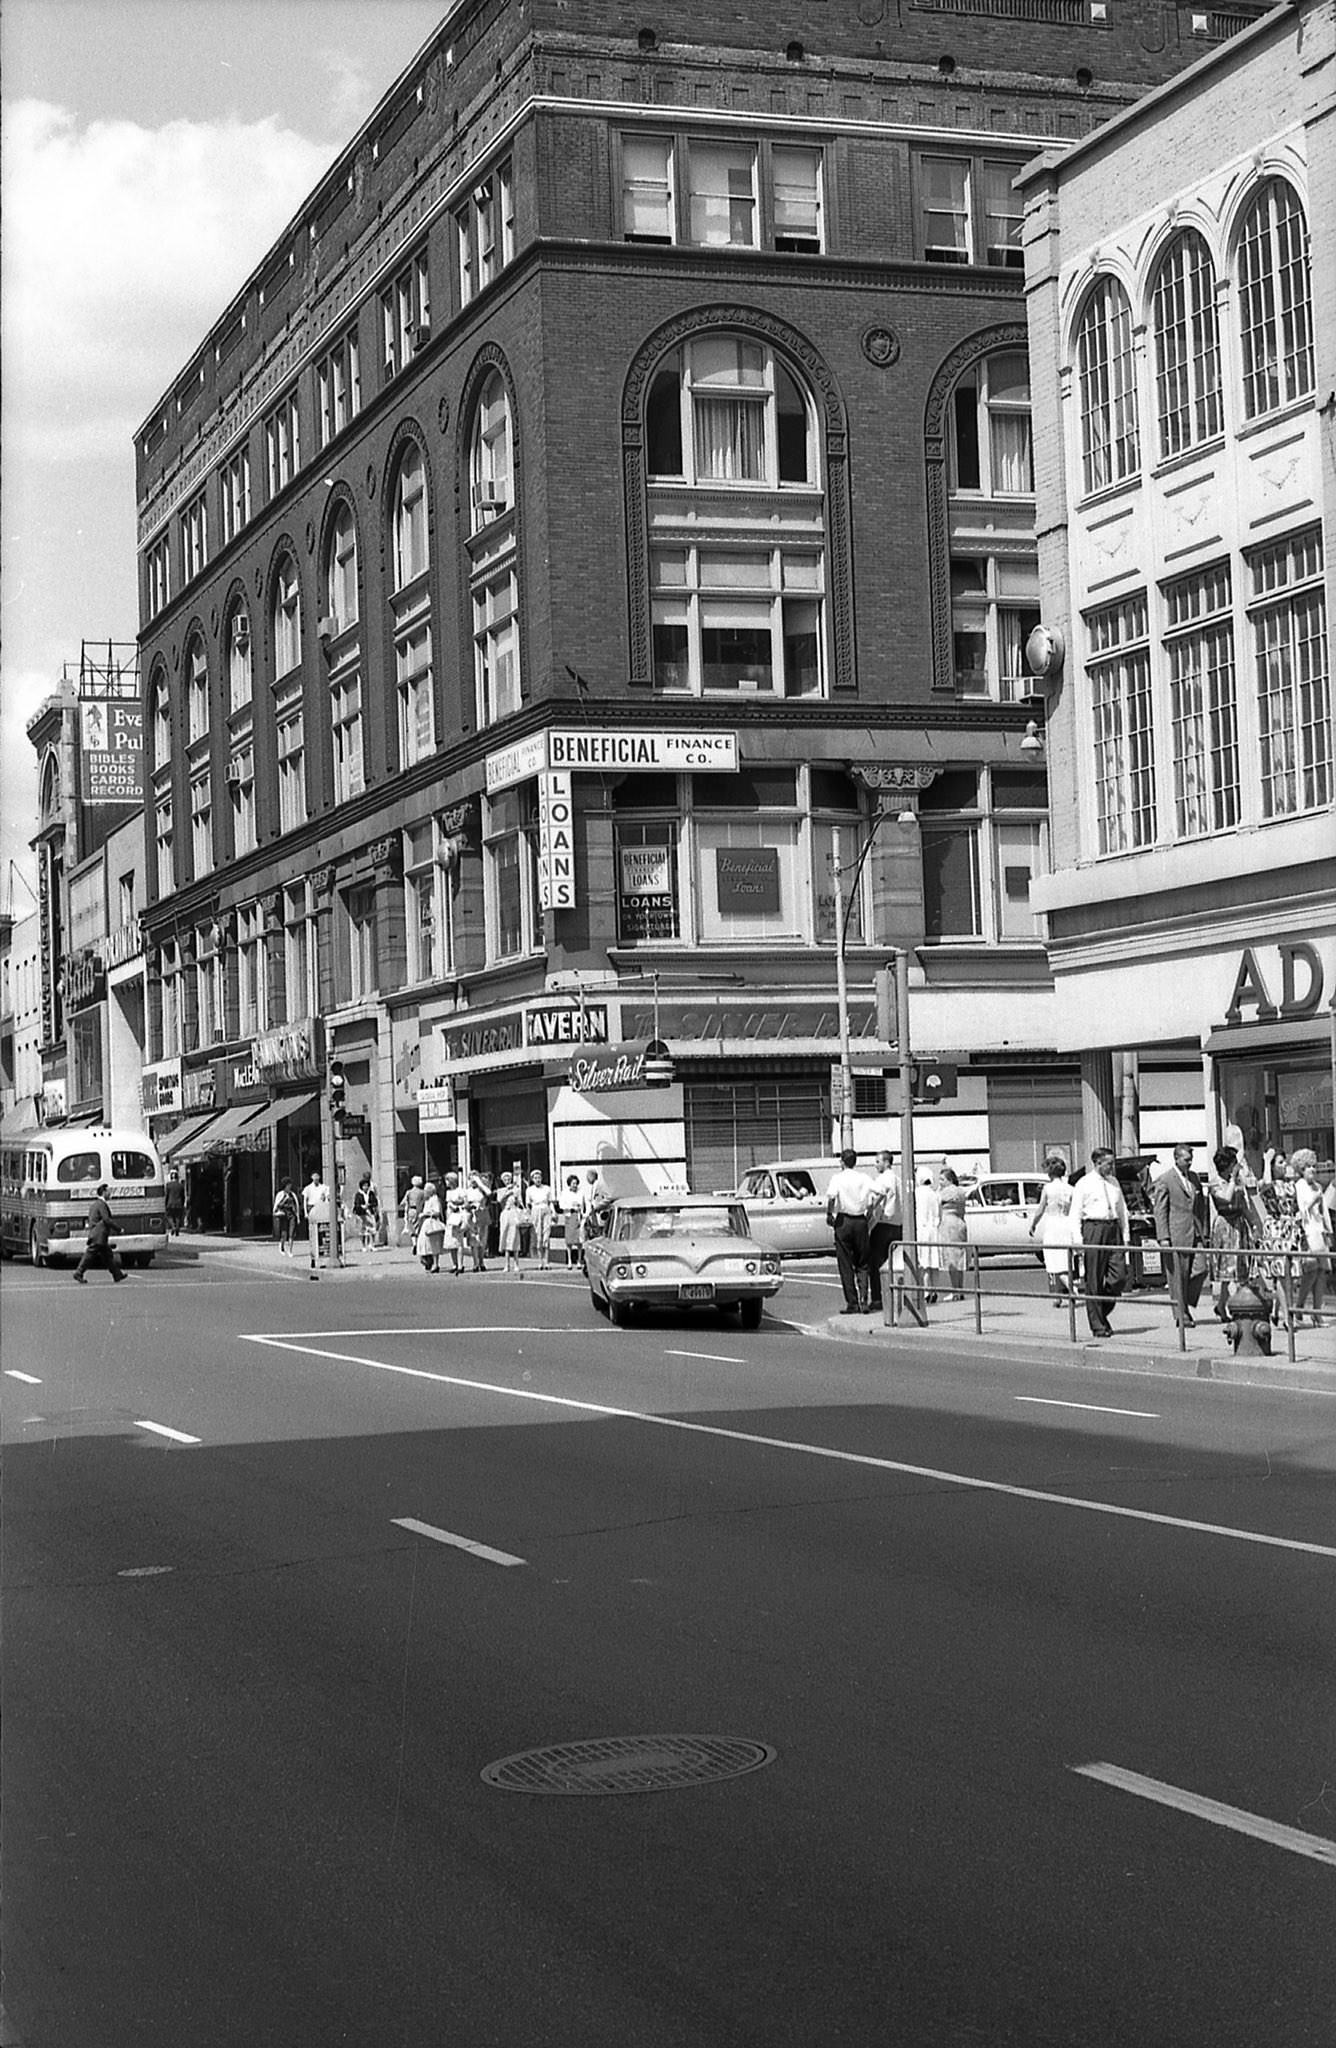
(1179, 1202)
(99, 1251)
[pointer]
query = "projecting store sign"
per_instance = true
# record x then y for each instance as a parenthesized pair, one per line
(612, 752)
(111, 739)
(607, 1073)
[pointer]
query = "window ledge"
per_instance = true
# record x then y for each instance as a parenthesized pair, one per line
(1095, 501)
(1200, 451)
(1265, 421)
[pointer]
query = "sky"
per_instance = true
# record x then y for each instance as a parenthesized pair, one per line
(150, 152)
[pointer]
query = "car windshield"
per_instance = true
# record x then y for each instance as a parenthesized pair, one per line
(678, 1220)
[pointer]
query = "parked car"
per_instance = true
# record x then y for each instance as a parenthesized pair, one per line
(679, 1251)
(998, 1209)
(785, 1200)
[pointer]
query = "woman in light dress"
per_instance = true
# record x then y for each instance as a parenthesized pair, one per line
(1316, 1232)
(951, 1233)
(927, 1228)
(1053, 1220)
(514, 1222)
(457, 1218)
(431, 1230)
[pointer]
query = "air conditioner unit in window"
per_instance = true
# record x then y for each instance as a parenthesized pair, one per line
(235, 772)
(390, 365)
(327, 629)
(419, 334)
(488, 496)
(241, 635)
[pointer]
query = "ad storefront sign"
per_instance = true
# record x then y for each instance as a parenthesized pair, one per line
(111, 742)
(556, 842)
(612, 751)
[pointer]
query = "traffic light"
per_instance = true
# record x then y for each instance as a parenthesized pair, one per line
(338, 1092)
(933, 1081)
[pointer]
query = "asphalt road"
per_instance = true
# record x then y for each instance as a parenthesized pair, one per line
(252, 1678)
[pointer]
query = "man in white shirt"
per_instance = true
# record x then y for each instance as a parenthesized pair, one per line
(886, 1230)
(1100, 1223)
(848, 1198)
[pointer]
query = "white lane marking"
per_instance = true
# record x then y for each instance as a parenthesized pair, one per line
(1091, 1407)
(178, 1436)
(779, 1443)
(1317, 1846)
(455, 1330)
(482, 1550)
(12, 1373)
(715, 1357)
(145, 1571)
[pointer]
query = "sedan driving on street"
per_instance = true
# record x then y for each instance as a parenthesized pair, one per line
(679, 1251)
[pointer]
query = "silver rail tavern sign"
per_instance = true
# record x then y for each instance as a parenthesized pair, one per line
(615, 752)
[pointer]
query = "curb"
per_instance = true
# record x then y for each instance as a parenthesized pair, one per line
(1105, 1356)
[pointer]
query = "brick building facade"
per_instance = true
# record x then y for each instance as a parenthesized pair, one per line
(609, 497)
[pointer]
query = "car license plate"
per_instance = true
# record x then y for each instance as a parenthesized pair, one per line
(1151, 1262)
(697, 1290)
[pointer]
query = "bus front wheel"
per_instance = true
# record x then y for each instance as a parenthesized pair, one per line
(36, 1255)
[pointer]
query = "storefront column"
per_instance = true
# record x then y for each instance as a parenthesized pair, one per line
(1129, 1108)
(1097, 1101)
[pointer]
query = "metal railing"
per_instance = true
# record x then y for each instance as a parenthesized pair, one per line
(909, 1283)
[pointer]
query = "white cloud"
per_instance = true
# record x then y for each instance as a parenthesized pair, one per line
(351, 93)
(122, 244)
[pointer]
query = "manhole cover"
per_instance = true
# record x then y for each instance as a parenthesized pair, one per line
(628, 1763)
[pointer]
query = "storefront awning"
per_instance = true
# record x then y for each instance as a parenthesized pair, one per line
(192, 1144)
(1284, 1035)
(271, 1113)
(229, 1125)
(171, 1145)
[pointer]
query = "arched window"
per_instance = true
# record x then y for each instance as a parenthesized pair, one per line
(197, 692)
(1107, 378)
(162, 723)
(287, 618)
(738, 603)
(1275, 300)
(410, 518)
(341, 571)
(1187, 345)
(994, 566)
(239, 684)
(490, 465)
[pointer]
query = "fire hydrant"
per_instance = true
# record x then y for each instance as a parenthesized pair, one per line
(1248, 1326)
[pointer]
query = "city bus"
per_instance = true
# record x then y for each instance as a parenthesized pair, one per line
(47, 1179)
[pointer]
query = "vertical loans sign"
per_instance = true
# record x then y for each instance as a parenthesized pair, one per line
(111, 738)
(556, 841)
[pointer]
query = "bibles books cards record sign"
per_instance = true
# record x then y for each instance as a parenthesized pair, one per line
(111, 744)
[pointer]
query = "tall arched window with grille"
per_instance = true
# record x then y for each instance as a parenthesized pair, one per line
(493, 550)
(737, 523)
(287, 617)
(1275, 300)
(990, 517)
(1106, 372)
(411, 609)
(410, 518)
(341, 571)
(1186, 339)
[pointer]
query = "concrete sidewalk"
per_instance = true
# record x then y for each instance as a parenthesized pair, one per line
(1144, 1340)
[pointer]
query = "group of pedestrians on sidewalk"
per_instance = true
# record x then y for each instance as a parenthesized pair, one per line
(865, 1212)
(453, 1223)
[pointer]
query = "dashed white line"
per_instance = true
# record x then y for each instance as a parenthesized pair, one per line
(482, 1550)
(714, 1357)
(779, 1443)
(1318, 1847)
(178, 1436)
(11, 1373)
(1091, 1407)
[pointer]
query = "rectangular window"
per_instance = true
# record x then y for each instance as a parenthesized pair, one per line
(197, 695)
(339, 387)
(485, 232)
(795, 198)
(1118, 665)
(742, 622)
(747, 879)
(945, 188)
(405, 314)
(299, 952)
(345, 704)
(235, 488)
(648, 900)
(291, 772)
(647, 188)
(427, 904)
(496, 648)
(1289, 633)
(170, 958)
(722, 194)
(194, 538)
(417, 716)
(985, 837)
(282, 444)
(510, 870)
(201, 826)
(158, 575)
(162, 830)
(252, 1013)
(241, 799)
(1003, 211)
(360, 908)
(1199, 649)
